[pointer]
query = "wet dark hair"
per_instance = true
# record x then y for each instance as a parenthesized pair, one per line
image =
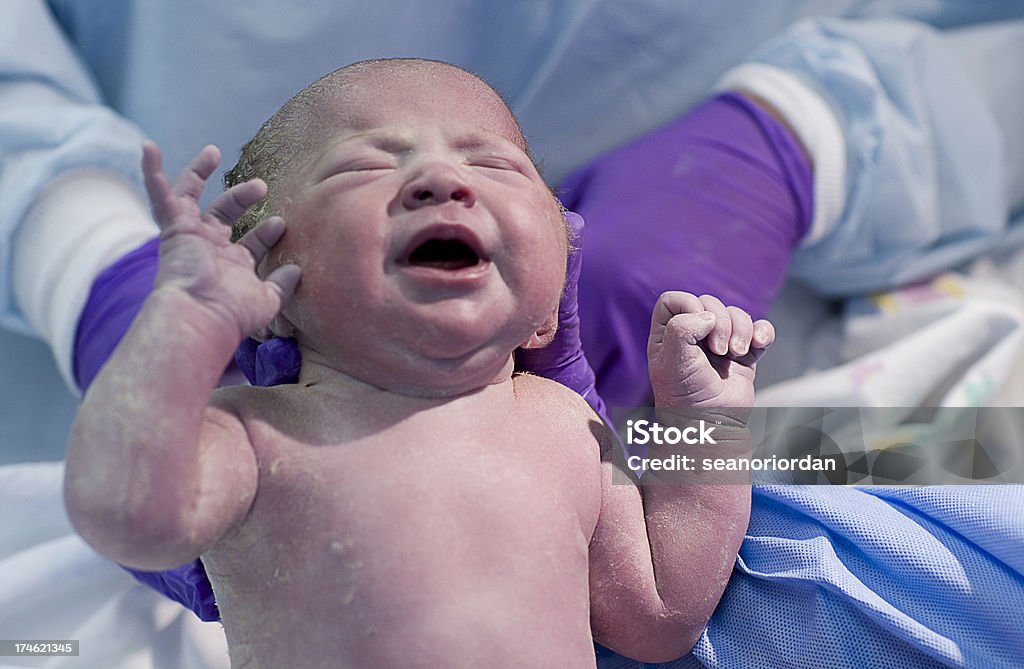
(294, 131)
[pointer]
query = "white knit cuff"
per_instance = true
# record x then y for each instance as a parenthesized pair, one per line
(815, 125)
(77, 227)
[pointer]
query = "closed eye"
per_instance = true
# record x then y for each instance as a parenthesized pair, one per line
(497, 164)
(358, 162)
(365, 167)
(494, 164)
(355, 169)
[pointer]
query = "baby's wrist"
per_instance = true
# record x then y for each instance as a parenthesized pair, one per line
(684, 447)
(187, 315)
(731, 420)
(735, 401)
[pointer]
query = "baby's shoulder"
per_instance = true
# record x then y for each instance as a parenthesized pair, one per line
(530, 386)
(561, 406)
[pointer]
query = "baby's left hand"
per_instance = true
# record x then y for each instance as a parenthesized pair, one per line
(704, 354)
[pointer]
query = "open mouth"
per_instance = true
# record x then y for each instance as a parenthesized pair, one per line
(447, 254)
(446, 247)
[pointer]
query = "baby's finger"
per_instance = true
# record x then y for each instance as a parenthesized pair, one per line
(670, 304)
(763, 337)
(158, 186)
(286, 278)
(742, 331)
(718, 340)
(262, 238)
(232, 203)
(682, 333)
(764, 334)
(193, 178)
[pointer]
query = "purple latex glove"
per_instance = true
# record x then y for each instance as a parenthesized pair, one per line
(714, 202)
(114, 299)
(563, 359)
(269, 363)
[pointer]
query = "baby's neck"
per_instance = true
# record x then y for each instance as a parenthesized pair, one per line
(328, 378)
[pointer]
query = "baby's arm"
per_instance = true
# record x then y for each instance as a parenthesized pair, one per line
(663, 551)
(155, 473)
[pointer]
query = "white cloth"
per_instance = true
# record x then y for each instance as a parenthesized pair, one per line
(54, 587)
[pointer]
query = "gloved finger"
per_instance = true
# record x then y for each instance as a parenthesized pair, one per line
(232, 203)
(567, 307)
(574, 223)
(158, 186)
(718, 340)
(742, 331)
(262, 238)
(277, 361)
(245, 358)
(671, 303)
(192, 180)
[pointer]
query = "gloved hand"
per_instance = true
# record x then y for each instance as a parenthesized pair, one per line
(713, 203)
(563, 360)
(114, 299)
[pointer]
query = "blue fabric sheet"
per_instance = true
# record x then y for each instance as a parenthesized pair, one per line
(872, 577)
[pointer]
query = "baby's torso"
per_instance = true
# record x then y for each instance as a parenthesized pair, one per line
(384, 536)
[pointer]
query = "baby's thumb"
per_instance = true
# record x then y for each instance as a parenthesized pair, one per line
(680, 349)
(688, 330)
(678, 363)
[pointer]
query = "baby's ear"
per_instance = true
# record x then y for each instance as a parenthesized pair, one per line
(544, 334)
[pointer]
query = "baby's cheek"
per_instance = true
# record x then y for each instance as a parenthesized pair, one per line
(546, 284)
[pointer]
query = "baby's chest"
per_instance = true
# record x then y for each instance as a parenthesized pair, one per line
(420, 487)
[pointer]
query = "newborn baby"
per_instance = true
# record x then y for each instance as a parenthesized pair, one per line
(410, 501)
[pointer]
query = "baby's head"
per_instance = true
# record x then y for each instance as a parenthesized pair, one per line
(429, 244)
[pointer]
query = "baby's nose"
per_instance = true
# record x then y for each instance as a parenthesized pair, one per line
(437, 185)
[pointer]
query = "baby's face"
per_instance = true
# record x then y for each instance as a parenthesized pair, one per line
(429, 244)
